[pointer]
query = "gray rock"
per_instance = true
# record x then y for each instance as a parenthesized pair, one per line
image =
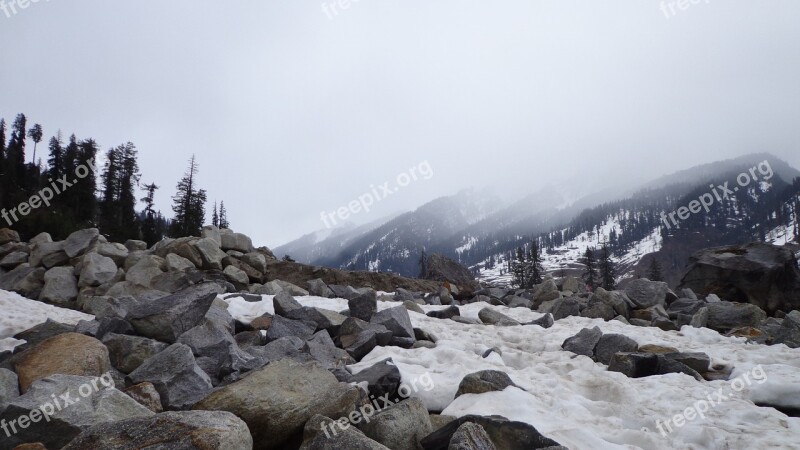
(573, 285)
(24, 280)
(491, 317)
(413, 306)
(402, 295)
(176, 376)
(566, 307)
(484, 381)
(645, 293)
(60, 286)
(147, 268)
(400, 426)
(134, 245)
(518, 302)
(546, 321)
(210, 253)
(13, 260)
(127, 353)
(115, 251)
(610, 344)
(724, 316)
(277, 400)
(255, 260)
(598, 309)
(382, 379)
(395, 320)
(184, 430)
(177, 263)
(789, 332)
(40, 333)
(363, 306)
(697, 361)
(97, 270)
(77, 242)
(236, 241)
(447, 313)
(283, 303)
(165, 319)
(236, 275)
(345, 292)
(212, 341)
(318, 288)
(276, 286)
(504, 434)
(471, 436)
(291, 347)
(584, 342)
(634, 365)
(64, 422)
(322, 433)
(323, 318)
(42, 250)
(700, 318)
(283, 327)
(9, 388)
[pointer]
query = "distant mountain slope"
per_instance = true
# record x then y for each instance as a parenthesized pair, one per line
(636, 231)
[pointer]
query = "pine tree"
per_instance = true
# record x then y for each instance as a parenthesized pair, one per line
(654, 272)
(14, 176)
(3, 158)
(85, 189)
(188, 204)
(423, 264)
(607, 269)
(118, 216)
(520, 269)
(535, 264)
(35, 133)
(590, 275)
(150, 228)
(56, 160)
(215, 217)
(223, 217)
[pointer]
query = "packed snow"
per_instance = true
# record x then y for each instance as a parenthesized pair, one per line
(20, 314)
(578, 402)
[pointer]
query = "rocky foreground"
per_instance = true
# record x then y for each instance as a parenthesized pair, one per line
(195, 343)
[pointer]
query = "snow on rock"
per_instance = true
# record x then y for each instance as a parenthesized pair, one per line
(20, 313)
(578, 402)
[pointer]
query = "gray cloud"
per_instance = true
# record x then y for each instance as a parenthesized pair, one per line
(291, 113)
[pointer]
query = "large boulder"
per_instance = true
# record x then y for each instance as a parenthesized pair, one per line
(9, 388)
(176, 376)
(96, 270)
(645, 293)
(764, 275)
(8, 235)
(484, 381)
(184, 430)
(218, 350)
(60, 286)
(471, 436)
(491, 317)
(363, 306)
(584, 342)
(210, 253)
(67, 354)
(724, 316)
(400, 426)
(13, 259)
(236, 241)
(127, 353)
(322, 433)
(48, 254)
(78, 242)
(504, 434)
(165, 319)
(60, 407)
(147, 268)
(277, 400)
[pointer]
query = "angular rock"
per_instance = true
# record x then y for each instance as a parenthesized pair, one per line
(584, 342)
(484, 381)
(101, 404)
(147, 268)
(447, 313)
(323, 318)
(400, 426)
(165, 319)
(236, 275)
(491, 317)
(283, 303)
(610, 344)
(277, 400)
(318, 288)
(724, 316)
(363, 306)
(566, 307)
(634, 365)
(9, 388)
(504, 434)
(322, 433)
(8, 235)
(13, 260)
(42, 250)
(283, 327)
(127, 353)
(413, 306)
(236, 241)
(184, 430)
(146, 395)
(382, 379)
(212, 341)
(546, 321)
(700, 318)
(395, 320)
(79, 241)
(789, 332)
(60, 286)
(177, 263)
(176, 376)
(210, 253)
(97, 270)
(115, 251)
(645, 293)
(471, 436)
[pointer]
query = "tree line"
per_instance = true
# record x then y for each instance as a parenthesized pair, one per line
(112, 206)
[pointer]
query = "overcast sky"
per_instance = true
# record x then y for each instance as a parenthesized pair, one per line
(292, 110)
